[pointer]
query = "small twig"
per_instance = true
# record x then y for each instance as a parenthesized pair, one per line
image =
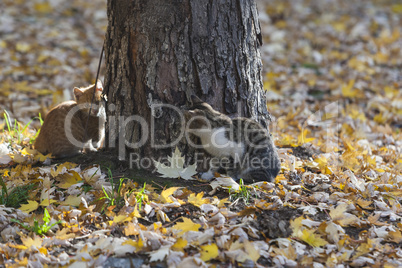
(158, 184)
(93, 233)
(171, 222)
(93, 95)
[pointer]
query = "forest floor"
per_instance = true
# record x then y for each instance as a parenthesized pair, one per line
(333, 79)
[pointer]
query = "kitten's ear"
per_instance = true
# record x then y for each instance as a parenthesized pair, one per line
(188, 114)
(196, 99)
(77, 93)
(99, 85)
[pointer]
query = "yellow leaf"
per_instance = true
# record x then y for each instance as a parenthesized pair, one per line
(302, 137)
(222, 202)
(391, 92)
(22, 47)
(72, 200)
(364, 248)
(23, 262)
(43, 251)
(296, 225)
(380, 118)
(381, 58)
(29, 242)
(43, 7)
(397, 8)
(252, 252)
(197, 200)
(339, 26)
(41, 158)
(22, 247)
(69, 179)
(312, 239)
(374, 219)
(62, 234)
(186, 225)
(323, 165)
(137, 244)
(28, 151)
(340, 216)
(31, 206)
(395, 236)
(348, 91)
(165, 195)
(180, 244)
(18, 158)
(62, 168)
(364, 203)
(131, 229)
(209, 252)
(135, 213)
(119, 218)
(46, 202)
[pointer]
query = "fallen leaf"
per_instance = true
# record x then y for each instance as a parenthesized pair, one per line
(186, 225)
(197, 200)
(209, 252)
(31, 206)
(176, 168)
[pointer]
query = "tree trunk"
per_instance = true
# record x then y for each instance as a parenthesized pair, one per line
(162, 51)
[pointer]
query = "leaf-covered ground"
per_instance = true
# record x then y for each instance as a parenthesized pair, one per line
(333, 75)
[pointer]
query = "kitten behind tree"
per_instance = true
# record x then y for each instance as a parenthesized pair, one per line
(240, 147)
(63, 131)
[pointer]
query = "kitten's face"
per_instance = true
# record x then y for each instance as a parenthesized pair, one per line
(83, 96)
(202, 115)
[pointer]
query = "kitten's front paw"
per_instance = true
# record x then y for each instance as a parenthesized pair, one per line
(96, 145)
(209, 175)
(89, 149)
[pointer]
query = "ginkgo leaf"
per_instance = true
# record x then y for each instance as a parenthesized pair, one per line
(209, 252)
(186, 225)
(31, 206)
(176, 168)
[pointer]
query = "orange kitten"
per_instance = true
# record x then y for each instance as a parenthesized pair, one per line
(63, 132)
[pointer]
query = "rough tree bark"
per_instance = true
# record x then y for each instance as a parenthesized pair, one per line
(162, 51)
